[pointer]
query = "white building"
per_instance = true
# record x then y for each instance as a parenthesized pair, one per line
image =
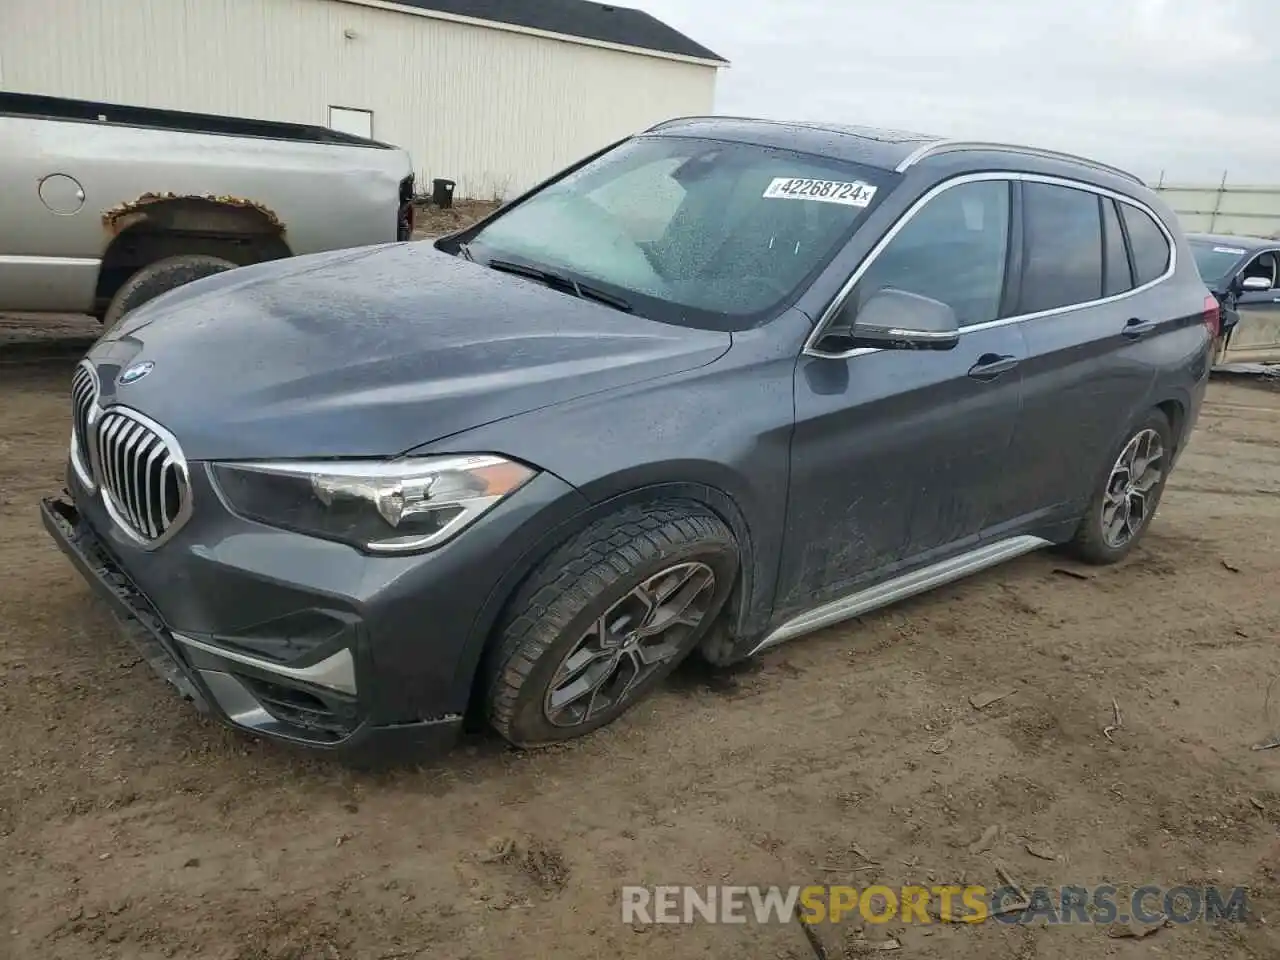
(494, 94)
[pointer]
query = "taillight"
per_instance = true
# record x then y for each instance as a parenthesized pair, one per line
(405, 213)
(1212, 315)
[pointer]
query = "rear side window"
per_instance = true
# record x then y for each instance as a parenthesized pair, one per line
(1148, 242)
(1116, 275)
(1062, 255)
(953, 250)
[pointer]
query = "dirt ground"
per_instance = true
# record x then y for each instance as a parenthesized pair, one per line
(132, 828)
(432, 221)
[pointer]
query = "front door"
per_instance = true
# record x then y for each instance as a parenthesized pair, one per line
(898, 456)
(1256, 337)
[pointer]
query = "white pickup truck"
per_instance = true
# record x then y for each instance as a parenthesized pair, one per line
(103, 207)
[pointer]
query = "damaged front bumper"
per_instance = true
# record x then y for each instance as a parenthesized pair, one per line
(313, 706)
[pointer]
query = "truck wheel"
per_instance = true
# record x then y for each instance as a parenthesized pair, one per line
(605, 618)
(157, 278)
(1128, 494)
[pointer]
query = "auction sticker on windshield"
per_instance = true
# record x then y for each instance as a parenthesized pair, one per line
(851, 194)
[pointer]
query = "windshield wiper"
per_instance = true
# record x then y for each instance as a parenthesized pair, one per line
(583, 291)
(464, 250)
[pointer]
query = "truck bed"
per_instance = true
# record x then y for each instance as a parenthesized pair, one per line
(89, 111)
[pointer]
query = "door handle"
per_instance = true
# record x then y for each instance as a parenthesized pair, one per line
(991, 365)
(1136, 328)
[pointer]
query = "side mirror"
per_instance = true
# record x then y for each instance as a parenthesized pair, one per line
(1255, 284)
(897, 320)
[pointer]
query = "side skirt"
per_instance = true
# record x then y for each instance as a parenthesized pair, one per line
(899, 588)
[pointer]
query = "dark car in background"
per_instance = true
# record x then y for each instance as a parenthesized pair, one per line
(1244, 274)
(719, 385)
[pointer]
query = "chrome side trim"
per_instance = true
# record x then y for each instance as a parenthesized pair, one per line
(937, 147)
(16, 261)
(919, 153)
(919, 334)
(838, 301)
(899, 588)
(337, 671)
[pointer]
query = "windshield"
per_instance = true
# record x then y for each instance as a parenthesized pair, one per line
(1215, 260)
(689, 231)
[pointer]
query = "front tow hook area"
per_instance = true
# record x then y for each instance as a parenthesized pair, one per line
(132, 613)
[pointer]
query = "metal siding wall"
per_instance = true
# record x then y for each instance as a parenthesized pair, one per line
(1240, 210)
(495, 111)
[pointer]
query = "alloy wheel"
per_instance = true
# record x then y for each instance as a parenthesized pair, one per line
(629, 642)
(1130, 493)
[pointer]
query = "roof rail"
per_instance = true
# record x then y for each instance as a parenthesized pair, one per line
(956, 146)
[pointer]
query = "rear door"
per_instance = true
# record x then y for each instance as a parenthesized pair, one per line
(899, 456)
(1092, 342)
(1256, 337)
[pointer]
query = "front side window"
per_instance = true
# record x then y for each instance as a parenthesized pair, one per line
(689, 231)
(1062, 258)
(953, 249)
(1149, 244)
(1262, 267)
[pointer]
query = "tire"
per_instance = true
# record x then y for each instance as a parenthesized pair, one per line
(157, 278)
(1092, 542)
(599, 577)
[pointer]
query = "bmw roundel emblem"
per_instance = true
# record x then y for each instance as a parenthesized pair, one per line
(136, 372)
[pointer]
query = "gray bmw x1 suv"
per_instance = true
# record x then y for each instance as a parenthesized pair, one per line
(719, 385)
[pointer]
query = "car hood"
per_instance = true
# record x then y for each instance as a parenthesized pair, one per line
(371, 352)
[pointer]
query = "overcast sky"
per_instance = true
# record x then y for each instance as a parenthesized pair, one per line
(1188, 86)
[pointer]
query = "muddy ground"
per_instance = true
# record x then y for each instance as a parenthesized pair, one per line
(132, 828)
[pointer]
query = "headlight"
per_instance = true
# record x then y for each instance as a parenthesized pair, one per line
(380, 506)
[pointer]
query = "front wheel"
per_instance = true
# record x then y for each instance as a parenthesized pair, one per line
(605, 618)
(1127, 498)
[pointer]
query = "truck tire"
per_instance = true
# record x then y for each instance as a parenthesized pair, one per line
(157, 278)
(609, 614)
(1127, 495)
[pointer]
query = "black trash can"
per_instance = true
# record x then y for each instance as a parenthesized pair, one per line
(442, 193)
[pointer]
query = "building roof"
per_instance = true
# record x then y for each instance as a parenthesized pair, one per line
(575, 18)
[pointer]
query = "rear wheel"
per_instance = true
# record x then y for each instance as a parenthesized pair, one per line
(605, 618)
(1127, 498)
(157, 278)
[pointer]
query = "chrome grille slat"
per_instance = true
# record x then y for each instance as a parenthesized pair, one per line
(113, 449)
(119, 457)
(105, 429)
(128, 448)
(138, 486)
(156, 450)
